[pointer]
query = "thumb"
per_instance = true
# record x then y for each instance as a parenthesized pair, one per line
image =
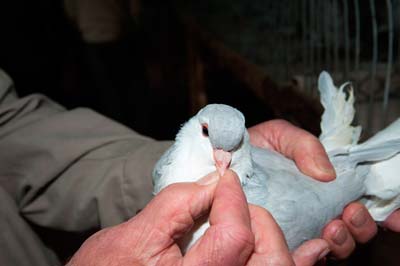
(229, 240)
(173, 211)
(297, 144)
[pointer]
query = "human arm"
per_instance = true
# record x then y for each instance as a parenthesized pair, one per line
(72, 170)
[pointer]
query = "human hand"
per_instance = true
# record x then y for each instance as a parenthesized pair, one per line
(356, 224)
(239, 234)
(393, 222)
(295, 143)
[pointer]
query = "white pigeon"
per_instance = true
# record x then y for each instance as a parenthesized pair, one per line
(216, 138)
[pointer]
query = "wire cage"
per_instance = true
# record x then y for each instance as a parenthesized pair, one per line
(354, 40)
(357, 41)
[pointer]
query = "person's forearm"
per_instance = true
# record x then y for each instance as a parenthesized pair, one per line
(72, 170)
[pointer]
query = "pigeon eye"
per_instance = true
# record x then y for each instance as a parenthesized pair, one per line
(204, 128)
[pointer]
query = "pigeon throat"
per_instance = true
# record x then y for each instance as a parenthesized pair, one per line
(222, 160)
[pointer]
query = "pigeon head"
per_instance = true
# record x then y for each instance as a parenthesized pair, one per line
(224, 127)
(214, 139)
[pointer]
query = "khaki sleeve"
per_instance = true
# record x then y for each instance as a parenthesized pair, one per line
(71, 170)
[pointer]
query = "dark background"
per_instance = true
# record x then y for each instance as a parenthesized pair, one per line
(143, 79)
(139, 80)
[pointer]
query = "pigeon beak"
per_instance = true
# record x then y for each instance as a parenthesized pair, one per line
(222, 160)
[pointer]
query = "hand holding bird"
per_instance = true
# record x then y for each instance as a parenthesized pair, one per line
(273, 181)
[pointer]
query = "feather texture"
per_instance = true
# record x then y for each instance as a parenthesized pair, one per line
(336, 129)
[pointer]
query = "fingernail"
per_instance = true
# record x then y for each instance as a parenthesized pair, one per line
(208, 179)
(324, 165)
(359, 218)
(340, 236)
(323, 253)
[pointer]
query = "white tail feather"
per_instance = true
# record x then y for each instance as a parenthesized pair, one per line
(338, 115)
(383, 181)
(381, 153)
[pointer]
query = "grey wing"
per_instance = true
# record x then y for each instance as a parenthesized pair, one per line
(300, 204)
(278, 186)
(272, 179)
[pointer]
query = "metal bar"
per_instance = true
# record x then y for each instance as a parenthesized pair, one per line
(289, 14)
(311, 10)
(280, 53)
(336, 36)
(311, 38)
(346, 39)
(304, 35)
(327, 42)
(373, 66)
(396, 5)
(318, 36)
(390, 61)
(357, 41)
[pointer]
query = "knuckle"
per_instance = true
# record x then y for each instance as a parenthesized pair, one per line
(309, 141)
(172, 188)
(279, 260)
(259, 212)
(176, 195)
(238, 235)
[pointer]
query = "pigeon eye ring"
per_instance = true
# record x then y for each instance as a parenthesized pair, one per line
(204, 128)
